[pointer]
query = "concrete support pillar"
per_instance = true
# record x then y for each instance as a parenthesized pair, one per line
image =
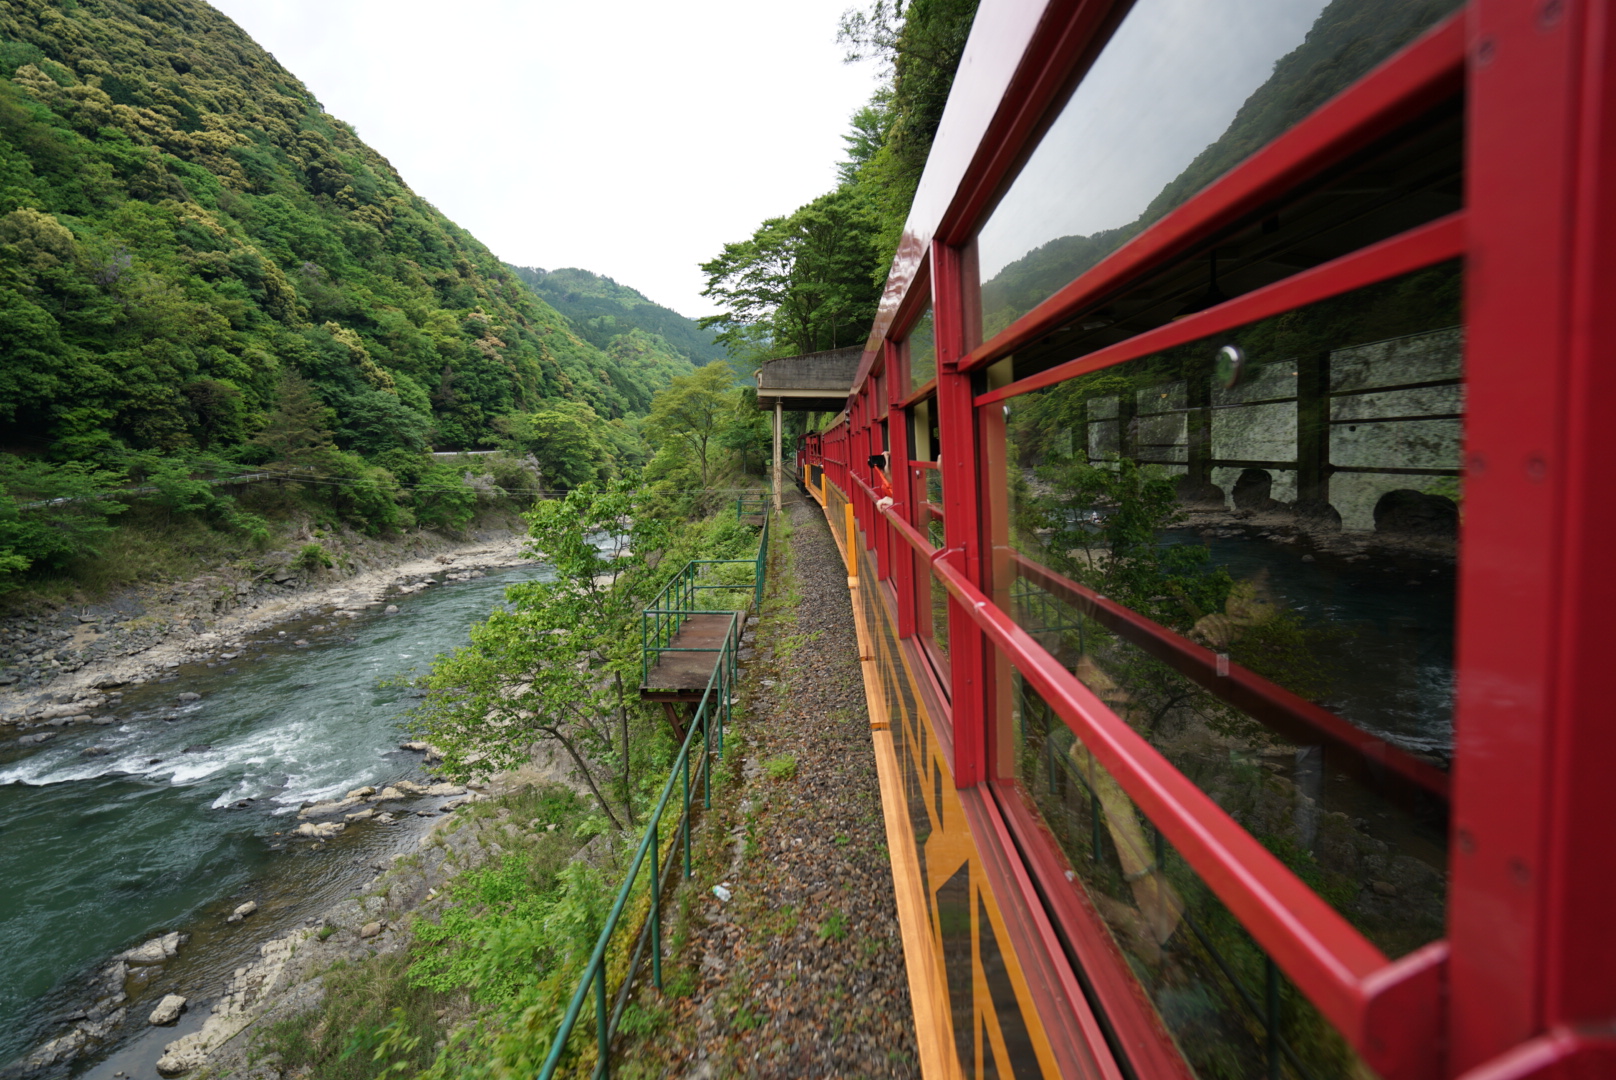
(778, 415)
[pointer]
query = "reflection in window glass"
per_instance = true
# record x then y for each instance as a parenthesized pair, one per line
(1213, 987)
(1323, 486)
(1183, 92)
(1297, 515)
(921, 349)
(931, 597)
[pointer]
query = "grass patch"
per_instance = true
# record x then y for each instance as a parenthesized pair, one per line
(783, 767)
(367, 1008)
(834, 928)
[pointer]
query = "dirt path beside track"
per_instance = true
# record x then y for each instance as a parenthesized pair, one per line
(801, 973)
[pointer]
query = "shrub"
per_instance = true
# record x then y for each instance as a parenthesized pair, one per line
(312, 559)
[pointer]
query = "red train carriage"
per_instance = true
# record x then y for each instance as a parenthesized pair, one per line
(1234, 631)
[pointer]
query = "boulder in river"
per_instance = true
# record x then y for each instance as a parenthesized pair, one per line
(156, 950)
(362, 815)
(168, 1011)
(388, 794)
(361, 792)
(409, 787)
(94, 751)
(190, 696)
(57, 1050)
(320, 830)
(35, 739)
(243, 911)
(327, 809)
(445, 789)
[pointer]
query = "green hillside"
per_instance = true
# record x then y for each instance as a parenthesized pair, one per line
(601, 309)
(182, 225)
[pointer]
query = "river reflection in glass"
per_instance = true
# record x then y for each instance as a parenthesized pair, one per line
(1183, 92)
(1302, 520)
(1298, 518)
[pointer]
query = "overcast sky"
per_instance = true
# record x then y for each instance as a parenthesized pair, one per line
(632, 138)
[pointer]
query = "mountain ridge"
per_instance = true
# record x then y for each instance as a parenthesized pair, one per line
(182, 227)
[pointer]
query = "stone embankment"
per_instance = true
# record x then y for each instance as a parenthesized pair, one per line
(65, 667)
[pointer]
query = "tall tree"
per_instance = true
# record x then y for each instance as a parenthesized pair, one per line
(805, 280)
(298, 432)
(692, 411)
(559, 665)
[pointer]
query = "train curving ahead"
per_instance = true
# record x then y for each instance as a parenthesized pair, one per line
(1220, 490)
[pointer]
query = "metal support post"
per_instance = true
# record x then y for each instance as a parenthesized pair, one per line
(656, 909)
(779, 413)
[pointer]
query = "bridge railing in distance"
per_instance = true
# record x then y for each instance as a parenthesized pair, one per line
(706, 738)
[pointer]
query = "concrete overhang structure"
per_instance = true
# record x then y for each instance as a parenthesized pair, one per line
(812, 382)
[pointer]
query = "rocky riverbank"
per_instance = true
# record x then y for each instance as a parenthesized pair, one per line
(289, 976)
(137, 987)
(65, 667)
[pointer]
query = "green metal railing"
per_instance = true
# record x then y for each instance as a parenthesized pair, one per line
(752, 504)
(678, 600)
(659, 624)
(706, 735)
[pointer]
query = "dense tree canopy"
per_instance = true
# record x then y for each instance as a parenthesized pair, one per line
(181, 224)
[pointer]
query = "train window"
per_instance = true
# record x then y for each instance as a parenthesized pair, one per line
(920, 353)
(1182, 93)
(1285, 495)
(1215, 990)
(931, 598)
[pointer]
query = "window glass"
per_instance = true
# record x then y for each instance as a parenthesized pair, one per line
(1217, 993)
(931, 597)
(1183, 92)
(921, 349)
(1292, 505)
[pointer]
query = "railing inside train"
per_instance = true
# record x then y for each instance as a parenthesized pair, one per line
(706, 734)
(1059, 768)
(660, 623)
(1344, 975)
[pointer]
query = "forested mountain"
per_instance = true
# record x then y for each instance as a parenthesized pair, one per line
(601, 309)
(182, 227)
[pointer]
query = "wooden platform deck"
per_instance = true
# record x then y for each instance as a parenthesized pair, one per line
(683, 676)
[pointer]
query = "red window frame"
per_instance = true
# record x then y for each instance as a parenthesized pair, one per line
(1524, 968)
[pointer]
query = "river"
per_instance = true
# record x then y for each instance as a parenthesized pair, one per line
(182, 818)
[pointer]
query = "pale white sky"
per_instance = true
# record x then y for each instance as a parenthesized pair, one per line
(631, 138)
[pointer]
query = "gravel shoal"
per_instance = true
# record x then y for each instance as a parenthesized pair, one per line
(801, 972)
